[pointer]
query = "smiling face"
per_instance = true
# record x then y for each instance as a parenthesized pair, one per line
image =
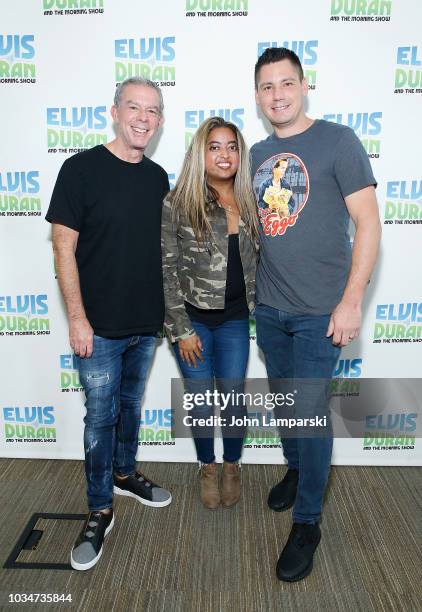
(137, 117)
(221, 155)
(281, 96)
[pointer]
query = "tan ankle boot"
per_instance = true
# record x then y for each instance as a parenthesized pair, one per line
(230, 484)
(210, 493)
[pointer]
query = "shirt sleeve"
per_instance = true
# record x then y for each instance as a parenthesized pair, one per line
(166, 185)
(67, 204)
(176, 321)
(352, 169)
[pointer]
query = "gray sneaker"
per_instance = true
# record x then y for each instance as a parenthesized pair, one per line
(144, 490)
(89, 545)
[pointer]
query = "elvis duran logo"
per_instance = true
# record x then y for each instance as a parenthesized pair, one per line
(398, 323)
(252, 328)
(365, 125)
(24, 315)
(348, 368)
(16, 53)
(69, 375)
(306, 50)
(345, 381)
(29, 424)
(73, 7)
(172, 179)
(17, 191)
(194, 118)
(404, 203)
(361, 10)
(149, 58)
(216, 8)
(155, 428)
(281, 187)
(408, 80)
(76, 128)
(390, 431)
(261, 437)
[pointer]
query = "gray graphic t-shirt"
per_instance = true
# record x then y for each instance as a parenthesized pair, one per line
(300, 184)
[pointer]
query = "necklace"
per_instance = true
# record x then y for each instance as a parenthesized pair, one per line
(227, 207)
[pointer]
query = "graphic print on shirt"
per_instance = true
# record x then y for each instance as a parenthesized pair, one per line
(281, 187)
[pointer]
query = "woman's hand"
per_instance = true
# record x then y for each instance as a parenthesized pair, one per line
(190, 349)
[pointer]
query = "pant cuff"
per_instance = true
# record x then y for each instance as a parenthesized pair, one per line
(304, 520)
(104, 507)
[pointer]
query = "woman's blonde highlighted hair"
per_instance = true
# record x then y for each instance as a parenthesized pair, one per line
(194, 198)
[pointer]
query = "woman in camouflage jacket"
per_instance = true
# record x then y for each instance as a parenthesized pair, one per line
(209, 249)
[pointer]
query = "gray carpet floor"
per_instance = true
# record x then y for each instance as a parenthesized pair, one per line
(186, 558)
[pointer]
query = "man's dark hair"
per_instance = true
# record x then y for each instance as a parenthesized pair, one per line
(276, 54)
(278, 162)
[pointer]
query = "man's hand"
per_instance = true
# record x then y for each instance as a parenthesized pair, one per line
(81, 336)
(190, 349)
(345, 323)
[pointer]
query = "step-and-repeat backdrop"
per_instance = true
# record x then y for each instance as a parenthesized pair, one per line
(59, 63)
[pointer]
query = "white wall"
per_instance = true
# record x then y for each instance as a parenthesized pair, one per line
(72, 58)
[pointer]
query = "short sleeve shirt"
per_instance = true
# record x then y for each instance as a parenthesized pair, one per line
(116, 208)
(304, 222)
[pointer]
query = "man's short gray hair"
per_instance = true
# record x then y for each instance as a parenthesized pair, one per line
(137, 81)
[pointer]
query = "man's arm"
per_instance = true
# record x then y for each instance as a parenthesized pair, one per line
(261, 193)
(81, 333)
(345, 320)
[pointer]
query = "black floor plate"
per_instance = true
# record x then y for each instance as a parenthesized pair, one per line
(30, 537)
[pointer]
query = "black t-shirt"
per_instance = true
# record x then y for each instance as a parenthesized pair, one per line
(235, 307)
(116, 208)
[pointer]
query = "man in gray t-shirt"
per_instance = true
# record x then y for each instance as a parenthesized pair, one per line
(310, 283)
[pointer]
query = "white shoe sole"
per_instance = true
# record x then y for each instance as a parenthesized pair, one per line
(87, 566)
(144, 501)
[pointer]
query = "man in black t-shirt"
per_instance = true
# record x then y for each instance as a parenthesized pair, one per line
(106, 216)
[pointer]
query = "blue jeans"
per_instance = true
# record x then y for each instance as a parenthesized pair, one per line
(225, 358)
(296, 346)
(114, 381)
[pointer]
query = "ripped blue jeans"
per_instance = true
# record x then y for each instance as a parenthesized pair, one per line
(114, 381)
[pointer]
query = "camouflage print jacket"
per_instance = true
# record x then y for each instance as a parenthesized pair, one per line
(196, 273)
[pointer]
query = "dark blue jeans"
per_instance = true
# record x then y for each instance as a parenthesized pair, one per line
(114, 381)
(225, 358)
(296, 346)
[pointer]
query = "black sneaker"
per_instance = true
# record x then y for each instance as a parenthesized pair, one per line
(296, 559)
(144, 490)
(89, 545)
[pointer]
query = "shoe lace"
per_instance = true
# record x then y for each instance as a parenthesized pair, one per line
(92, 524)
(141, 478)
